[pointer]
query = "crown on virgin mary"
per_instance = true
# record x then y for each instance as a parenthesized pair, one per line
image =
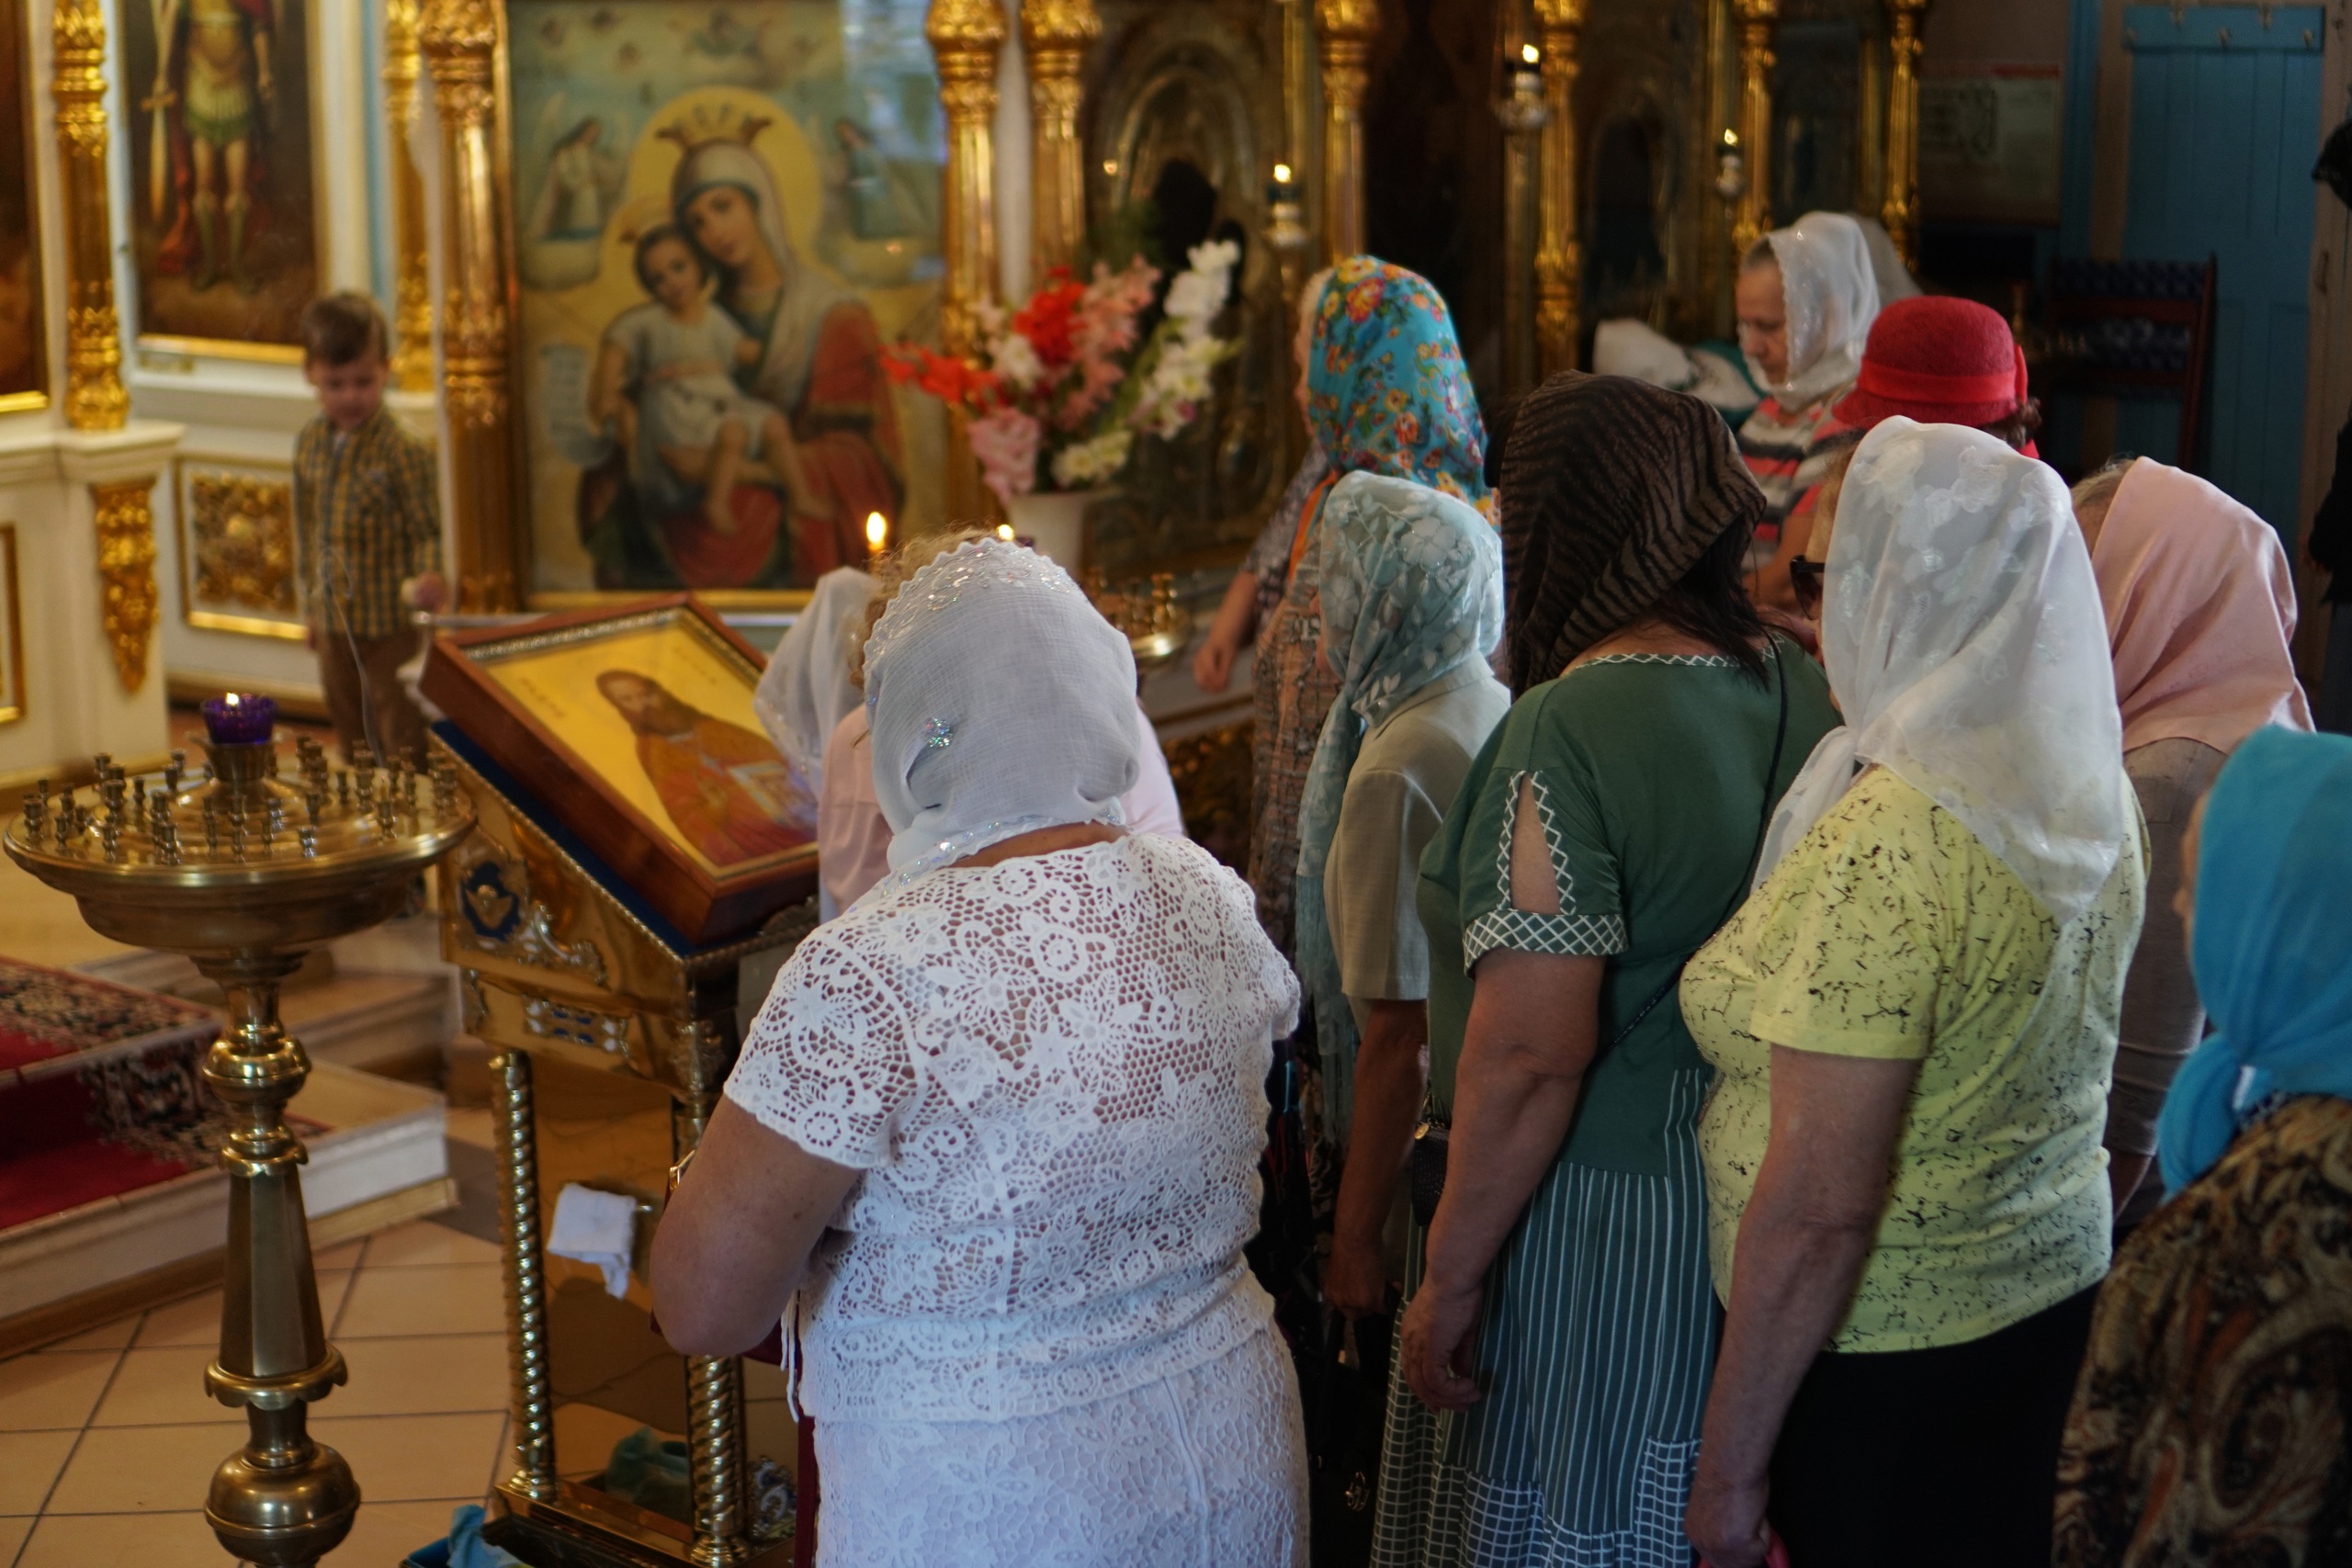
(704, 124)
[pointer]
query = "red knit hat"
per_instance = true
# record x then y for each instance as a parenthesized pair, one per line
(1938, 360)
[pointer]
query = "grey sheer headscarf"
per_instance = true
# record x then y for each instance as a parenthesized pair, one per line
(1000, 702)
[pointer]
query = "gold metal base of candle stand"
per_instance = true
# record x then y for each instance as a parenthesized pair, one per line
(245, 871)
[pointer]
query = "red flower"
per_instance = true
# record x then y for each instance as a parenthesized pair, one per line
(944, 377)
(1045, 321)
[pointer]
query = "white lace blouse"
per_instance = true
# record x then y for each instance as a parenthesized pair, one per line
(1052, 1071)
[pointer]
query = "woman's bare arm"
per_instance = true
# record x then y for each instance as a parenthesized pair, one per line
(1392, 1069)
(1534, 1025)
(1802, 1241)
(736, 1237)
(1235, 624)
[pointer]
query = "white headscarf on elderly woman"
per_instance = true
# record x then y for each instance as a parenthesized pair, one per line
(1412, 588)
(1829, 292)
(1965, 642)
(807, 687)
(1000, 702)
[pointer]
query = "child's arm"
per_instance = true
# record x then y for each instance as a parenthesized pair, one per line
(419, 517)
(306, 541)
(604, 389)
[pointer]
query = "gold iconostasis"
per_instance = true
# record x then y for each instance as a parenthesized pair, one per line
(838, 176)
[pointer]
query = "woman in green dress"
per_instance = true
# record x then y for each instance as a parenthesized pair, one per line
(1563, 1324)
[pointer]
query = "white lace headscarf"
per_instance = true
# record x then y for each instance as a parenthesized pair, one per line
(807, 688)
(1965, 642)
(1829, 292)
(1000, 702)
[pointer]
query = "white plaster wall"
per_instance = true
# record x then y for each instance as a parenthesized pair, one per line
(74, 703)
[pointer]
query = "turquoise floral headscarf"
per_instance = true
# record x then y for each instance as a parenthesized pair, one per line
(2271, 944)
(1386, 393)
(1412, 586)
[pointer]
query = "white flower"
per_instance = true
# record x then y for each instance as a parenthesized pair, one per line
(1200, 293)
(1089, 463)
(1217, 256)
(1014, 357)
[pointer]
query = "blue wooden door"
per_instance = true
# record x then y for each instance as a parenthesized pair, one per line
(2224, 127)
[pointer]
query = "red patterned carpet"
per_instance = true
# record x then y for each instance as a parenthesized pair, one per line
(99, 1093)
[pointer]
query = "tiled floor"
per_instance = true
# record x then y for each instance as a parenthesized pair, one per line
(107, 1440)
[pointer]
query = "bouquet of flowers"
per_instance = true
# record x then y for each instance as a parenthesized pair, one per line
(1062, 387)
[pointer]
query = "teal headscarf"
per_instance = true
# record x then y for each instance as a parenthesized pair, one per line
(1412, 585)
(2272, 943)
(1386, 393)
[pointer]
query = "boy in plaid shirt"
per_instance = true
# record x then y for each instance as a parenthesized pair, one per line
(367, 524)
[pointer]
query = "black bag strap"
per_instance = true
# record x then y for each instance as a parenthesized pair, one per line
(1755, 852)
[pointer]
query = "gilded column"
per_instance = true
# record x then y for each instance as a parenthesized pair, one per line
(1901, 213)
(95, 399)
(459, 41)
(531, 1390)
(1346, 31)
(964, 37)
(1297, 26)
(126, 527)
(1760, 20)
(1559, 254)
(413, 304)
(1056, 34)
(1523, 115)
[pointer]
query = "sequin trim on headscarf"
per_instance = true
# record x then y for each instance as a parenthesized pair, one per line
(999, 701)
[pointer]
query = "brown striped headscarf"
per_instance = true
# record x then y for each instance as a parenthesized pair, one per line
(1611, 490)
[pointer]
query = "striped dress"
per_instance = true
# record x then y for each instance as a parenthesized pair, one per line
(1789, 450)
(1599, 1323)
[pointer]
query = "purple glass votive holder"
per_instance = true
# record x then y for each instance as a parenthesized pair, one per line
(239, 718)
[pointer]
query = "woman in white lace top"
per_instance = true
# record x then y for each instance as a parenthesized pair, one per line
(999, 1124)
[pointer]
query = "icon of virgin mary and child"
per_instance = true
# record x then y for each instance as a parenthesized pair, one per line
(752, 420)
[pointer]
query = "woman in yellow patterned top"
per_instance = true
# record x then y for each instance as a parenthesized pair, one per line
(1913, 1022)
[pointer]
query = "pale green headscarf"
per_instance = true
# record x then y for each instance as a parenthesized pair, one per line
(1412, 586)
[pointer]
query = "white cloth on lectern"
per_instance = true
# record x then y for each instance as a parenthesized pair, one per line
(595, 1227)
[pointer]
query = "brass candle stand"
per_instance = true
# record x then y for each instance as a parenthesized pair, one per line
(242, 871)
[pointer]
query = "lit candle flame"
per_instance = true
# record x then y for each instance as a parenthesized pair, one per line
(1005, 532)
(1731, 137)
(1282, 173)
(877, 530)
(1530, 53)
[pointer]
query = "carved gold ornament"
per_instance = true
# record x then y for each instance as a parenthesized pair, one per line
(1559, 256)
(95, 399)
(1346, 31)
(1900, 215)
(965, 36)
(240, 542)
(1760, 22)
(459, 41)
(126, 528)
(1056, 34)
(413, 308)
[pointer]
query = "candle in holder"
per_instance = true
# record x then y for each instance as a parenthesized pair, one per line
(1284, 187)
(239, 718)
